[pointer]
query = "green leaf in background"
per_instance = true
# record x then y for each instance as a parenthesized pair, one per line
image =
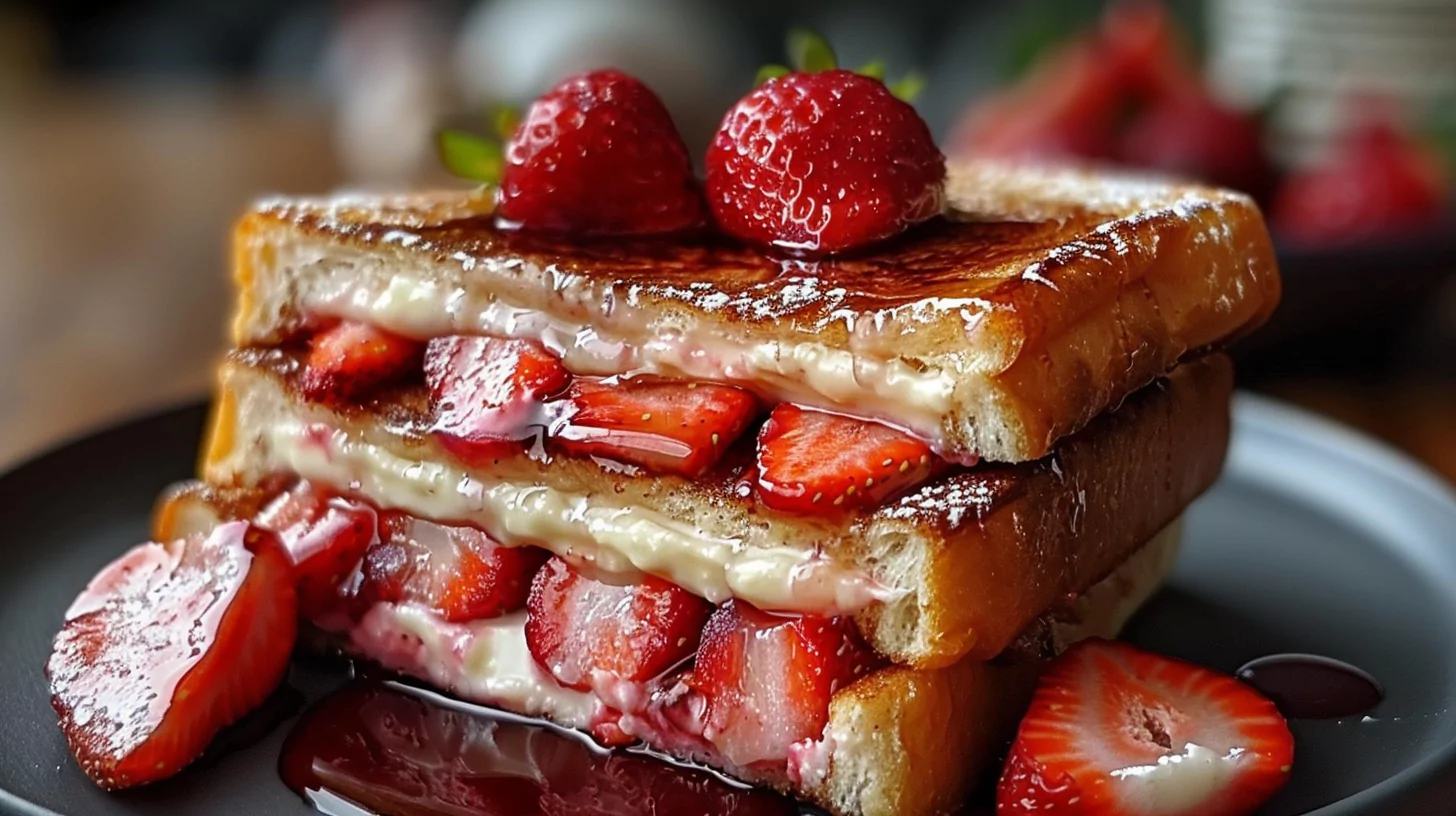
(810, 52)
(1038, 25)
(470, 156)
(503, 122)
(1440, 127)
(874, 69)
(770, 71)
(907, 87)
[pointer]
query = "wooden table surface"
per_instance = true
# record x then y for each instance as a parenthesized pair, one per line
(115, 204)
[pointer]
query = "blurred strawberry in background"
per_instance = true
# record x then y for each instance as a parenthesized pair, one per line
(1377, 181)
(1129, 93)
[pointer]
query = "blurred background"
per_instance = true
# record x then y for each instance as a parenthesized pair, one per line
(131, 133)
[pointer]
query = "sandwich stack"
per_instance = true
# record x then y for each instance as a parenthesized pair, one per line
(816, 522)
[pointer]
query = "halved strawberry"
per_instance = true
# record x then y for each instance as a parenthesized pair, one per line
(486, 393)
(768, 679)
(815, 462)
(580, 628)
(1117, 730)
(351, 359)
(459, 572)
(662, 425)
(325, 536)
(167, 645)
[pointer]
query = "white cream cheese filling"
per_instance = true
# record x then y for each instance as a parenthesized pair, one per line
(914, 397)
(484, 661)
(617, 539)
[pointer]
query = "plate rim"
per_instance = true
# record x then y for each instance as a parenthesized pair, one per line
(1255, 414)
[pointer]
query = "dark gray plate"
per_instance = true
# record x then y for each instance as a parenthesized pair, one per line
(1316, 540)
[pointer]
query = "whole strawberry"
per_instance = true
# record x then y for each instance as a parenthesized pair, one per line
(599, 155)
(822, 162)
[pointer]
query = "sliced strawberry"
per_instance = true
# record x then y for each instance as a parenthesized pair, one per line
(768, 680)
(459, 572)
(486, 393)
(582, 629)
(1116, 730)
(167, 645)
(813, 462)
(606, 729)
(325, 536)
(661, 425)
(351, 359)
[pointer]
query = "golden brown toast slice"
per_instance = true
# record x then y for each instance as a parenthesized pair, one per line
(953, 569)
(1044, 298)
(899, 742)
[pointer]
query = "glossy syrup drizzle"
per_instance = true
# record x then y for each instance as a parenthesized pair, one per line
(376, 748)
(1312, 687)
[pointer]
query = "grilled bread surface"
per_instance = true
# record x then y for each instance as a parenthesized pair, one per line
(1042, 299)
(973, 556)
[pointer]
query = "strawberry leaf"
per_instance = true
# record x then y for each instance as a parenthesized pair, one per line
(503, 122)
(907, 87)
(771, 71)
(809, 52)
(471, 156)
(874, 69)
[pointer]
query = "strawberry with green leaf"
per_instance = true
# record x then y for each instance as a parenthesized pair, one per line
(820, 160)
(596, 155)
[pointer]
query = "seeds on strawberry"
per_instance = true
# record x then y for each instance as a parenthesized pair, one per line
(458, 571)
(582, 629)
(815, 462)
(1116, 730)
(661, 425)
(599, 155)
(486, 393)
(167, 645)
(821, 163)
(352, 359)
(768, 680)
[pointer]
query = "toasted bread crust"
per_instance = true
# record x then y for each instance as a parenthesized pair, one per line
(1045, 298)
(1049, 528)
(910, 741)
(978, 554)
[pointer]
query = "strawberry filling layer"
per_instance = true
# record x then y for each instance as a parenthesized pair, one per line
(490, 397)
(628, 659)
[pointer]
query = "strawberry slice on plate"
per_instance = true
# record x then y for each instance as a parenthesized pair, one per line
(325, 536)
(1117, 730)
(487, 393)
(661, 425)
(460, 572)
(167, 645)
(351, 359)
(768, 679)
(815, 462)
(583, 629)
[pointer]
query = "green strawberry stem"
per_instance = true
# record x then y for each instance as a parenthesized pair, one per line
(809, 52)
(909, 86)
(770, 71)
(874, 69)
